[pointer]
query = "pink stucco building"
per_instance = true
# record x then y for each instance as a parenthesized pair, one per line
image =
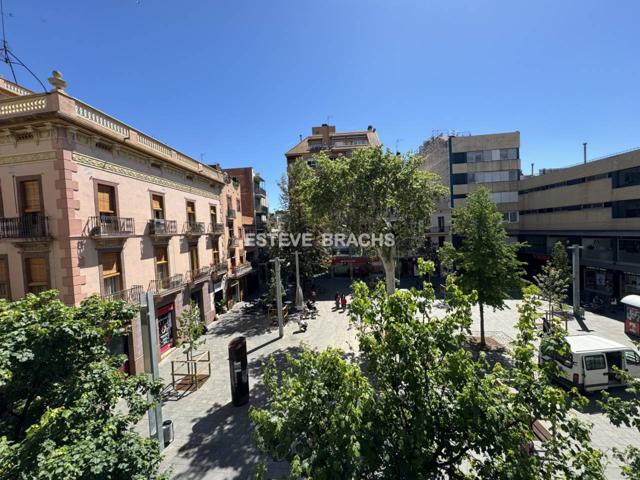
(90, 205)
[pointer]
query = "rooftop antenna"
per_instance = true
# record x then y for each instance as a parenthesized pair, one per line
(584, 151)
(329, 117)
(8, 56)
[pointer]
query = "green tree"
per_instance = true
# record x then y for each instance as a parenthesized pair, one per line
(61, 394)
(298, 220)
(486, 263)
(374, 192)
(190, 330)
(418, 404)
(553, 285)
(560, 261)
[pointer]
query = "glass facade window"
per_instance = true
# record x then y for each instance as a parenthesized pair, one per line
(597, 248)
(626, 178)
(626, 209)
(510, 217)
(504, 197)
(492, 155)
(630, 284)
(497, 176)
(459, 178)
(629, 250)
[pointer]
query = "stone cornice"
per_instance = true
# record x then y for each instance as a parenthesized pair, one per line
(27, 158)
(135, 174)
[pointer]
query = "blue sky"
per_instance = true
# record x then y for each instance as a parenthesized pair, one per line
(238, 81)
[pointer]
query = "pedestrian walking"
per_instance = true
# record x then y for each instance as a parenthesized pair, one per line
(343, 301)
(337, 300)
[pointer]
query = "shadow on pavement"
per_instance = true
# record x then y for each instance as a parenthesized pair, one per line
(616, 392)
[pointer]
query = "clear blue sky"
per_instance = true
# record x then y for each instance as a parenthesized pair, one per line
(239, 80)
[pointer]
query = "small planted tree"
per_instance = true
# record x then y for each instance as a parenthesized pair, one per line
(486, 262)
(553, 285)
(190, 330)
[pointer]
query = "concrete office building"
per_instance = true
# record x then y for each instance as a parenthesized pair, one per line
(466, 162)
(594, 204)
(91, 205)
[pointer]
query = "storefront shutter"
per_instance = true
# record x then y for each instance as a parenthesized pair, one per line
(31, 196)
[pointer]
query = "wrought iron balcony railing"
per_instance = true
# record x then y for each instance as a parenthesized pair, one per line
(260, 192)
(216, 228)
(130, 295)
(110, 225)
(219, 269)
(31, 225)
(162, 228)
(193, 228)
(241, 269)
(165, 284)
(198, 274)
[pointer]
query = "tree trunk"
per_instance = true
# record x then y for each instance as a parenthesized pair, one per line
(482, 340)
(388, 258)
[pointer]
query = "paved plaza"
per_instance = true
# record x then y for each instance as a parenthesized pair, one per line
(213, 438)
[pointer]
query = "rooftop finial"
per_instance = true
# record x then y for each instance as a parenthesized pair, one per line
(57, 81)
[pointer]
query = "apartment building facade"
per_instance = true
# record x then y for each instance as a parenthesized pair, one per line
(325, 139)
(90, 205)
(465, 163)
(595, 205)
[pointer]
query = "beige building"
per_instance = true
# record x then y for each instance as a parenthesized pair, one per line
(595, 205)
(90, 205)
(325, 139)
(466, 162)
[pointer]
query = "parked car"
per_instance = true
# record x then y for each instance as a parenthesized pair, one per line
(589, 365)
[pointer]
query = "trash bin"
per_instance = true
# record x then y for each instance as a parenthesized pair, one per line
(167, 432)
(238, 371)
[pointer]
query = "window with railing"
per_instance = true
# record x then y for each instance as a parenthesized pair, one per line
(191, 212)
(107, 201)
(162, 262)
(36, 274)
(213, 214)
(194, 261)
(111, 273)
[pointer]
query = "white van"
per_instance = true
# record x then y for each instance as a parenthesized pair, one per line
(589, 366)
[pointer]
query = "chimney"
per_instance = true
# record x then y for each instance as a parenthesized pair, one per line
(532, 169)
(584, 151)
(369, 128)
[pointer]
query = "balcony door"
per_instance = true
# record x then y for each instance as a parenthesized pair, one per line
(31, 208)
(157, 207)
(191, 213)
(111, 273)
(107, 211)
(162, 264)
(194, 262)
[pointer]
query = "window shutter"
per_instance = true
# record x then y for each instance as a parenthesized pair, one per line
(156, 202)
(105, 199)
(4, 278)
(31, 196)
(161, 255)
(37, 270)
(190, 207)
(110, 266)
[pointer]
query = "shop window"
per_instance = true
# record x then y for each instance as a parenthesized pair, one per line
(191, 212)
(37, 274)
(629, 250)
(157, 206)
(162, 263)
(598, 280)
(5, 291)
(111, 273)
(165, 327)
(630, 284)
(193, 258)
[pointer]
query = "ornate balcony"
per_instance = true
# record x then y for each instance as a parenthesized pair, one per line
(219, 269)
(29, 226)
(193, 229)
(109, 226)
(216, 228)
(160, 228)
(167, 285)
(130, 295)
(199, 275)
(260, 192)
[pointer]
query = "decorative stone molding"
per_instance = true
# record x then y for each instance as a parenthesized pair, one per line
(23, 105)
(98, 118)
(28, 157)
(144, 177)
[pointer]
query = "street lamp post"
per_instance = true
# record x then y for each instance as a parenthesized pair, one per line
(299, 296)
(276, 262)
(575, 260)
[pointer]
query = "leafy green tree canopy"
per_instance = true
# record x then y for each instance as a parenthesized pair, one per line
(374, 192)
(62, 393)
(485, 262)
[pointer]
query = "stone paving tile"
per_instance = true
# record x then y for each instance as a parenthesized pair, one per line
(213, 438)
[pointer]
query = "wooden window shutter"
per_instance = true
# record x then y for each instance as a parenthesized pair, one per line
(37, 270)
(31, 196)
(106, 200)
(110, 267)
(156, 202)
(191, 208)
(4, 277)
